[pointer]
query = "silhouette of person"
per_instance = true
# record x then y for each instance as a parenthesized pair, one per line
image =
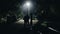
(26, 20)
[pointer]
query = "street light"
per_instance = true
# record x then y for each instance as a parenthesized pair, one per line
(27, 6)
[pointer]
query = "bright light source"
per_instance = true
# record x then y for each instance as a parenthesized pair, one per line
(27, 7)
(28, 4)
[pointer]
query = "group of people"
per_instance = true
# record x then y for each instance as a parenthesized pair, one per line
(26, 20)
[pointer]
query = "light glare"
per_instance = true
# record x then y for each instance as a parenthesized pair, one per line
(28, 4)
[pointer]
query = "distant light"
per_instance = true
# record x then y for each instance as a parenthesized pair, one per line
(27, 7)
(28, 4)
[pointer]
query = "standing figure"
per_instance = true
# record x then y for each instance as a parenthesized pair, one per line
(26, 20)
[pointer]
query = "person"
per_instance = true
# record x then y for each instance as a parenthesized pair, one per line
(26, 20)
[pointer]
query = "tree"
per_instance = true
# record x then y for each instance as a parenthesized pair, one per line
(6, 6)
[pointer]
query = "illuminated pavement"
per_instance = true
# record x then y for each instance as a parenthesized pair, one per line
(21, 21)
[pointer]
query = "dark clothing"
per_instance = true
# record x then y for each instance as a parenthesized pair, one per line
(26, 19)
